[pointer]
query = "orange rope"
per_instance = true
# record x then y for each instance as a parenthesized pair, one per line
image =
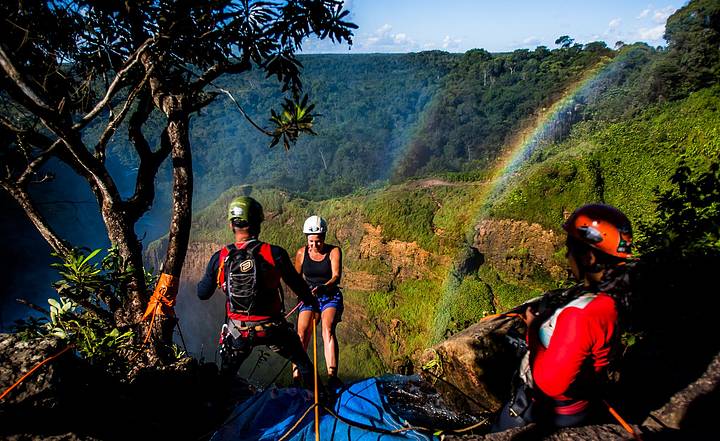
(622, 422)
(164, 295)
(317, 407)
(30, 372)
(147, 336)
(297, 423)
(152, 321)
(504, 314)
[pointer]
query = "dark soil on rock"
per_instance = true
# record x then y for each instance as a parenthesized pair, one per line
(69, 399)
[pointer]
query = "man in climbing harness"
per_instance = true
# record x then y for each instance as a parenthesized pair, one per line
(570, 335)
(249, 272)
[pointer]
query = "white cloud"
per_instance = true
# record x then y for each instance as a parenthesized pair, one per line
(614, 23)
(401, 39)
(644, 13)
(653, 34)
(451, 43)
(661, 15)
(385, 40)
(532, 41)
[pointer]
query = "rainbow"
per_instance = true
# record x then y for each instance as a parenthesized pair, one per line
(549, 121)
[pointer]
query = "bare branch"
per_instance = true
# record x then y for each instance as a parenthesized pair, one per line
(31, 305)
(216, 71)
(21, 197)
(142, 199)
(114, 85)
(19, 81)
(37, 162)
(112, 126)
(10, 126)
(137, 120)
(36, 139)
(208, 76)
(242, 111)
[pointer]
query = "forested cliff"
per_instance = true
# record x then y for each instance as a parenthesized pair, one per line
(445, 179)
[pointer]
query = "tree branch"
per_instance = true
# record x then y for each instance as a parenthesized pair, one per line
(19, 81)
(150, 161)
(136, 122)
(242, 111)
(112, 126)
(38, 162)
(216, 71)
(36, 139)
(80, 158)
(134, 58)
(23, 199)
(31, 305)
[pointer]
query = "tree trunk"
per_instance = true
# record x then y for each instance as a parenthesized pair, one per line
(176, 109)
(121, 233)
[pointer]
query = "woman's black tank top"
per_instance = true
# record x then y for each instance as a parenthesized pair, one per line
(317, 273)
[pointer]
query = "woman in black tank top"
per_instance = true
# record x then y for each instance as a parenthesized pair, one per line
(321, 266)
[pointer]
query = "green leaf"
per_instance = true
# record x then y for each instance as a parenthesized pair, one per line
(90, 256)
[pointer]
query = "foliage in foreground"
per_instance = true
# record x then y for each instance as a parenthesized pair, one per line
(81, 315)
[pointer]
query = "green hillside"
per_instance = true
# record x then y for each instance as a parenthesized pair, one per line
(630, 118)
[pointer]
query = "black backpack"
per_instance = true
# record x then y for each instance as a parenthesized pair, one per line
(243, 271)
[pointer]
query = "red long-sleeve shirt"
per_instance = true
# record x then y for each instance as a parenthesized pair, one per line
(573, 346)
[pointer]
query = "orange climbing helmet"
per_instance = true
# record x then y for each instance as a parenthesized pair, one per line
(602, 227)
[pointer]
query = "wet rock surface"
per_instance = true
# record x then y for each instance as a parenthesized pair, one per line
(468, 364)
(692, 407)
(473, 368)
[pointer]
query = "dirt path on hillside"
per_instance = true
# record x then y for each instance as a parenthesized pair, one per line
(432, 182)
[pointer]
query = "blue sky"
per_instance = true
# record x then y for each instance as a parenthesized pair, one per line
(460, 25)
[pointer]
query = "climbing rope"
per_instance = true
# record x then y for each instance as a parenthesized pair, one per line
(297, 423)
(622, 422)
(37, 366)
(502, 314)
(293, 310)
(315, 370)
(468, 397)
(182, 339)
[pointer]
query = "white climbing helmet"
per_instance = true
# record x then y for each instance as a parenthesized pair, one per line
(315, 225)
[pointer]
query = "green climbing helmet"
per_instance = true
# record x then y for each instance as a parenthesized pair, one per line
(246, 209)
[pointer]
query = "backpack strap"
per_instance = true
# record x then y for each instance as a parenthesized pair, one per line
(224, 253)
(272, 256)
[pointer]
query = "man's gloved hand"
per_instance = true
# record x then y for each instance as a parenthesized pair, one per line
(313, 301)
(320, 290)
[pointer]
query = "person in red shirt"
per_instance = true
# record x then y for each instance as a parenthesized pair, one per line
(569, 343)
(249, 271)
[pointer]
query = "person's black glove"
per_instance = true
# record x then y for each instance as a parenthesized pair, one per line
(313, 302)
(320, 290)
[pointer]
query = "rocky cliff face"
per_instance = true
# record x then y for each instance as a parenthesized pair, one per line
(519, 249)
(403, 260)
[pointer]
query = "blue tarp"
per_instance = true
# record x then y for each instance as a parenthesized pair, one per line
(270, 414)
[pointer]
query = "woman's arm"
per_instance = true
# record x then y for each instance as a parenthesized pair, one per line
(336, 266)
